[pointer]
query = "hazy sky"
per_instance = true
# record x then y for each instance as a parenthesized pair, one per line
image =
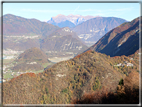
(44, 11)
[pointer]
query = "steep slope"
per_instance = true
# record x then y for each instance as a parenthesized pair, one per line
(63, 40)
(92, 30)
(122, 40)
(86, 73)
(30, 60)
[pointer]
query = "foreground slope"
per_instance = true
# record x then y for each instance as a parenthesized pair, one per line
(127, 93)
(67, 80)
(122, 40)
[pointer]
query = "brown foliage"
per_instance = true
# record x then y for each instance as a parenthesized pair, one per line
(88, 51)
(80, 76)
(126, 94)
(78, 56)
(132, 80)
(130, 97)
(116, 57)
(31, 74)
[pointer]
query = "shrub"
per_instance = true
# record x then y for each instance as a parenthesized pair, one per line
(121, 82)
(97, 85)
(64, 90)
(46, 89)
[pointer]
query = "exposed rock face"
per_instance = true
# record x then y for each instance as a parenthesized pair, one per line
(68, 21)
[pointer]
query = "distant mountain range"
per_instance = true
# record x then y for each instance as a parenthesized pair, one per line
(21, 34)
(18, 31)
(89, 28)
(122, 40)
(68, 21)
(64, 24)
(92, 30)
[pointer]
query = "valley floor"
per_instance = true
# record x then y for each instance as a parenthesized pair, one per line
(9, 60)
(58, 59)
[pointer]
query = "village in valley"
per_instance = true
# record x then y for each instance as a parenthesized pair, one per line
(128, 64)
(9, 61)
(9, 56)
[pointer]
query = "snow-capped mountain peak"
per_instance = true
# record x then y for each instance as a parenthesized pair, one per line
(75, 19)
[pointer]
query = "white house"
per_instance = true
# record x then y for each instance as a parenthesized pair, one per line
(129, 64)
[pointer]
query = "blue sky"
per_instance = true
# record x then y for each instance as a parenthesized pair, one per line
(44, 11)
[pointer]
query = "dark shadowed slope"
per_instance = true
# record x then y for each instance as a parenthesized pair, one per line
(122, 40)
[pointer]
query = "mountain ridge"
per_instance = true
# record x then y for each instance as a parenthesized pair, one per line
(124, 37)
(74, 19)
(92, 30)
(9, 20)
(63, 40)
(21, 34)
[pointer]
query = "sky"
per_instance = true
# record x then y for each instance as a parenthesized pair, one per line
(44, 11)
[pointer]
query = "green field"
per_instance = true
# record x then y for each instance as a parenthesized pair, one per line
(7, 61)
(7, 75)
(36, 72)
(46, 64)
